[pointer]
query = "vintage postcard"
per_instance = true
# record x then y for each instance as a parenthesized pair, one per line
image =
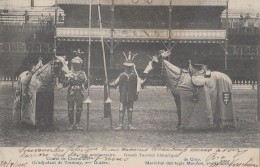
(129, 83)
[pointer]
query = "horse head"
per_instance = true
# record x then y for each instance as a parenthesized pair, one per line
(155, 62)
(60, 67)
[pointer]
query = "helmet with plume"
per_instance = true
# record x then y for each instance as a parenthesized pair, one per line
(129, 59)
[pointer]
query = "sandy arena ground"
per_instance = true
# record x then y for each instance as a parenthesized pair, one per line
(154, 117)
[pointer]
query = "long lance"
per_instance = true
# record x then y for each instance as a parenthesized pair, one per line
(55, 36)
(106, 87)
(55, 31)
(88, 100)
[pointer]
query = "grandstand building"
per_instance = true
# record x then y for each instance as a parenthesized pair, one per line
(23, 42)
(243, 49)
(191, 28)
(204, 31)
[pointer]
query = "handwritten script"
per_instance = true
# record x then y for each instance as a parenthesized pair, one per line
(154, 156)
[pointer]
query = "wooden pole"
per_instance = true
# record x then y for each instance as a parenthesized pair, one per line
(112, 35)
(108, 105)
(32, 3)
(226, 40)
(13, 76)
(102, 42)
(89, 53)
(55, 30)
(107, 101)
(258, 87)
(170, 29)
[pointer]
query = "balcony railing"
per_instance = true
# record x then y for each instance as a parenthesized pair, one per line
(199, 3)
(150, 34)
(147, 2)
(20, 20)
(198, 34)
(141, 34)
(21, 47)
(16, 15)
(82, 33)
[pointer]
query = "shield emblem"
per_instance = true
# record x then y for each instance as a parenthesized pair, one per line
(149, 1)
(226, 96)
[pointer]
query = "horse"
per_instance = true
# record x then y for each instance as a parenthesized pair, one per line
(195, 89)
(34, 94)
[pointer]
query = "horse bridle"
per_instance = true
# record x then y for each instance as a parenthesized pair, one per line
(55, 66)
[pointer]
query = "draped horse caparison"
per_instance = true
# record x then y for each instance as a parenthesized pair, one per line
(34, 96)
(204, 101)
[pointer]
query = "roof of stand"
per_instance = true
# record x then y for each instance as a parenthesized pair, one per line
(147, 2)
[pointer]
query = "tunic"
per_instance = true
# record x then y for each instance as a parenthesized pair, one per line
(127, 87)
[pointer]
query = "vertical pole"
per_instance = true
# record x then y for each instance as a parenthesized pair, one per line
(107, 101)
(55, 31)
(258, 87)
(112, 35)
(12, 70)
(32, 3)
(102, 41)
(170, 29)
(89, 54)
(108, 105)
(226, 40)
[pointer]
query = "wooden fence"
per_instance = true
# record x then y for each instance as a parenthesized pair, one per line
(97, 77)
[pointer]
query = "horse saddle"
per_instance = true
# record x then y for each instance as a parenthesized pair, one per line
(199, 73)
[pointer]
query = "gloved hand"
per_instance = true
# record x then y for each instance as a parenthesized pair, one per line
(143, 83)
(112, 85)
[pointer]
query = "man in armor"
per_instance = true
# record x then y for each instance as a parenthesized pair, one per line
(77, 82)
(127, 82)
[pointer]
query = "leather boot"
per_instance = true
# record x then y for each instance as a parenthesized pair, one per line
(130, 120)
(121, 119)
(78, 116)
(71, 119)
(71, 116)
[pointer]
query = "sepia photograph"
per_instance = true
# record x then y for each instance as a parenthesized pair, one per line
(129, 82)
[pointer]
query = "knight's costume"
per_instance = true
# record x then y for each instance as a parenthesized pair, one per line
(77, 84)
(127, 82)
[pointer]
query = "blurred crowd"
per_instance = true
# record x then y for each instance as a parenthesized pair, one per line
(43, 20)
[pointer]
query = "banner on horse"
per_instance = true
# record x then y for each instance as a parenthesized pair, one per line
(34, 95)
(212, 105)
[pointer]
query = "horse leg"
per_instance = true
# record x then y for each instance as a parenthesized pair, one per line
(17, 105)
(177, 99)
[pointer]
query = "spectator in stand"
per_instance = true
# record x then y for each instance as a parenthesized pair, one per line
(246, 21)
(60, 19)
(241, 17)
(1, 15)
(41, 20)
(256, 23)
(26, 17)
(241, 20)
(49, 21)
(247, 16)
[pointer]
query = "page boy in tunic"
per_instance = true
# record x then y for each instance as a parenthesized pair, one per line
(127, 82)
